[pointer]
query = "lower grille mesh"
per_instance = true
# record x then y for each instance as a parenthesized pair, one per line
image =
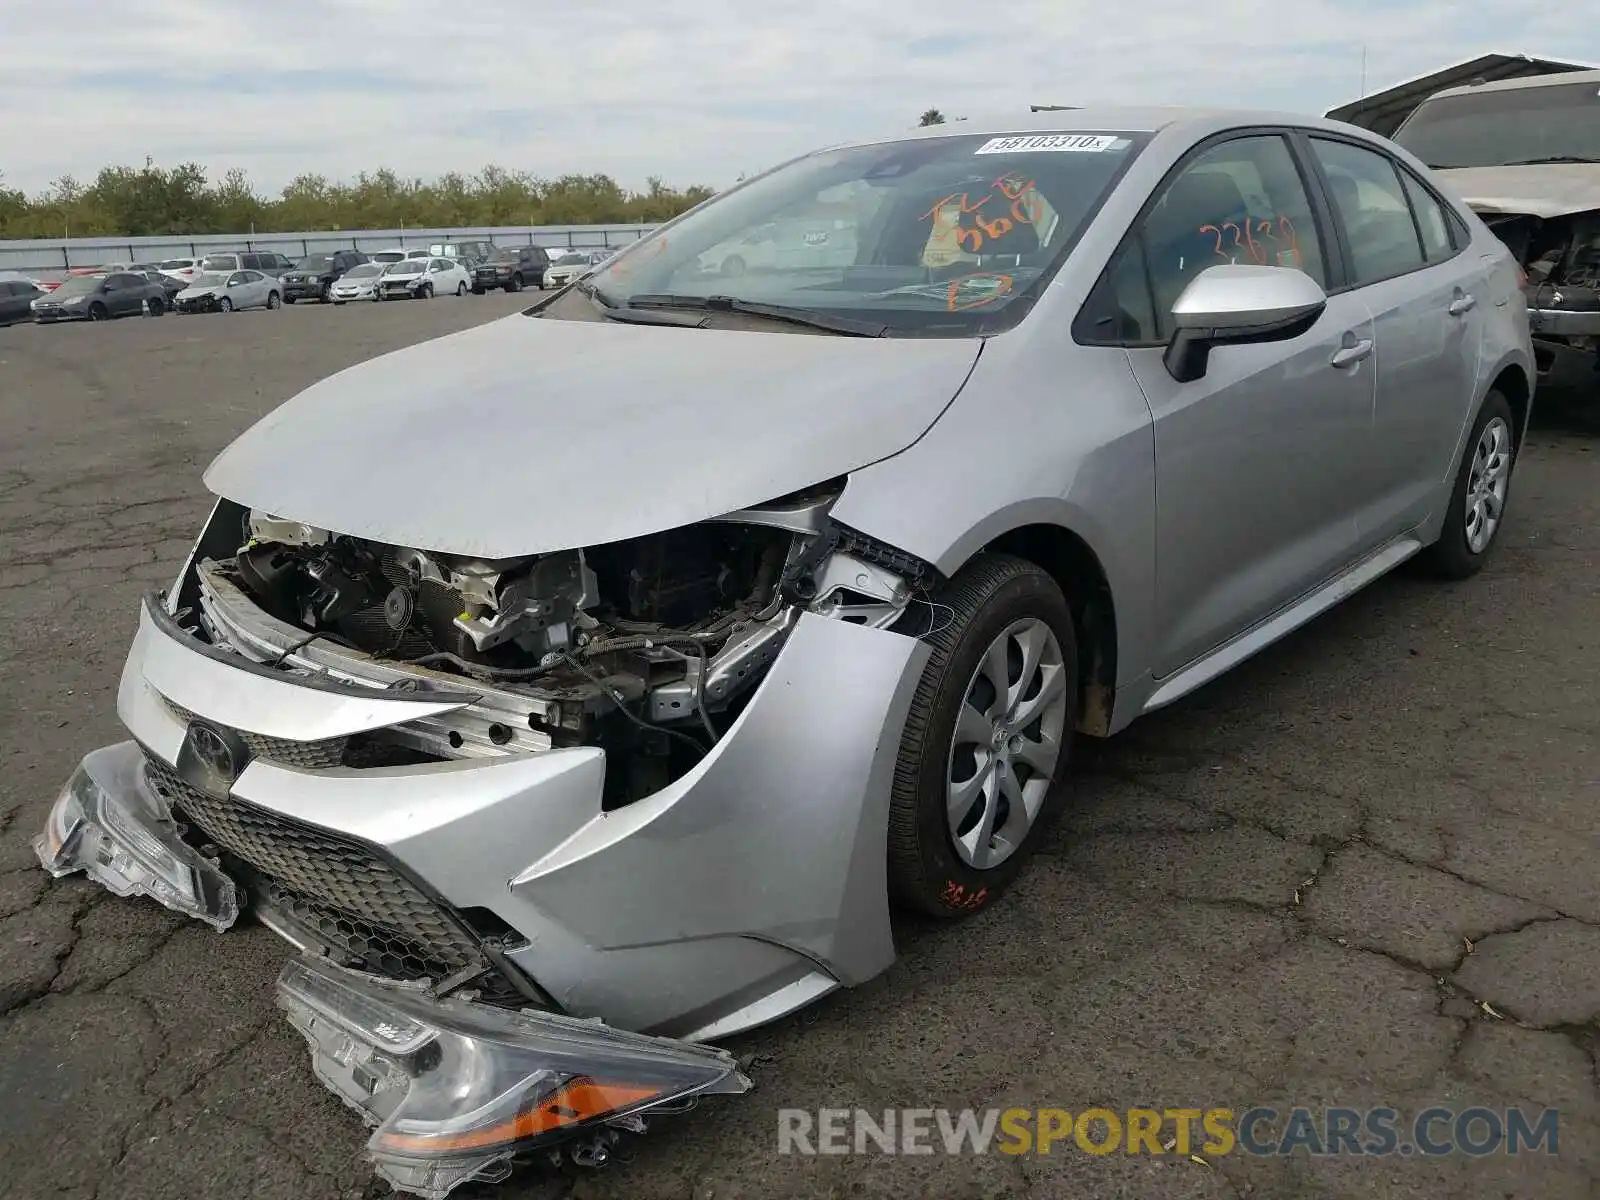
(334, 886)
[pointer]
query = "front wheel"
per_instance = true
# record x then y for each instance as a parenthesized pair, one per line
(1478, 500)
(99, 312)
(427, 291)
(273, 300)
(461, 289)
(515, 285)
(157, 307)
(224, 305)
(327, 292)
(986, 743)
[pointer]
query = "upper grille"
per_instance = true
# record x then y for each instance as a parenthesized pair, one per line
(337, 887)
(307, 756)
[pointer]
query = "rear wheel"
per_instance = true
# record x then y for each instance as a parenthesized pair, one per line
(1478, 500)
(461, 289)
(986, 742)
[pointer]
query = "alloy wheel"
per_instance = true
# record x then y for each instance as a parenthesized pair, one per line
(1487, 484)
(1008, 739)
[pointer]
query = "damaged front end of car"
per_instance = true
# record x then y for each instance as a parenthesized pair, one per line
(462, 787)
(1559, 254)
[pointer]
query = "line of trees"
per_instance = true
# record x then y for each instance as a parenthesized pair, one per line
(155, 201)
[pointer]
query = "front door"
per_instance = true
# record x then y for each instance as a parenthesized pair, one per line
(1253, 461)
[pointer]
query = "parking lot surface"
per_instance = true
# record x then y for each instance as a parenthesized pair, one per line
(1363, 870)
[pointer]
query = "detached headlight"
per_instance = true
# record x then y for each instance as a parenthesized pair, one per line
(105, 824)
(458, 1089)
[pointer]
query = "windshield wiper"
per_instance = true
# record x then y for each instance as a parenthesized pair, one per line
(1554, 158)
(644, 316)
(773, 312)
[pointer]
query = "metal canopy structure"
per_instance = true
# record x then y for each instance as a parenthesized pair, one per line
(1384, 112)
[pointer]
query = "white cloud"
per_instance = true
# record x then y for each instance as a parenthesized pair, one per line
(691, 90)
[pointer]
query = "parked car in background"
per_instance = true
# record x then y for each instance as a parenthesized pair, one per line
(100, 298)
(183, 269)
(358, 283)
(512, 268)
(422, 279)
(398, 254)
(16, 300)
(576, 263)
(313, 277)
(226, 291)
(1525, 155)
(468, 253)
(267, 262)
(170, 287)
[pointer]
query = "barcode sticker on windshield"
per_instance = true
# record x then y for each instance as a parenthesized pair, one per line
(1038, 143)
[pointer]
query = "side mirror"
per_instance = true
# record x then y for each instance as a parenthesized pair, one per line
(1239, 304)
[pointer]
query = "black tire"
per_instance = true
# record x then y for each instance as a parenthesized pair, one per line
(461, 289)
(1452, 556)
(273, 300)
(157, 307)
(427, 291)
(289, 299)
(327, 293)
(515, 285)
(225, 305)
(99, 312)
(985, 597)
(477, 291)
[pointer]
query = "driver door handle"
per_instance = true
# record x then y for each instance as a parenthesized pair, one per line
(1462, 304)
(1348, 356)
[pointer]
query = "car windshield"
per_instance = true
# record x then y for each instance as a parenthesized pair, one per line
(314, 262)
(219, 262)
(1499, 127)
(212, 278)
(177, 264)
(364, 271)
(571, 260)
(505, 256)
(80, 285)
(942, 236)
(410, 266)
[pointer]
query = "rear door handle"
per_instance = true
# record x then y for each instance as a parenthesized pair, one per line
(1348, 356)
(1462, 304)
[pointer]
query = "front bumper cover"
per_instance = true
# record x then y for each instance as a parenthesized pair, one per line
(458, 1091)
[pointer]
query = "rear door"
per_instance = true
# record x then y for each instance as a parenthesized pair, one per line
(1425, 296)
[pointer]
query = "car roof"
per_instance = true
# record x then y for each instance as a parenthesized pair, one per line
(1591, 78)
(1103, 118)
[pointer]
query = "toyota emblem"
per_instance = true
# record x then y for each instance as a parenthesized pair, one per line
(212, 749)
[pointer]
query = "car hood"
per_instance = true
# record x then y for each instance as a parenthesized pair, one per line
(196, 291)
(529, 435)
(1542, 190)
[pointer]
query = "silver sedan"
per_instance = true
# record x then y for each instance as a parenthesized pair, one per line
(1022, 432)
(227, 292)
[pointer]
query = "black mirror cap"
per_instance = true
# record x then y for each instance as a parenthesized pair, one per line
(1188, 354)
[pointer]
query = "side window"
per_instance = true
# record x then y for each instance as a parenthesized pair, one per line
(1372, 207)
(1241, 201)
(1436, 244)
(1120, 310)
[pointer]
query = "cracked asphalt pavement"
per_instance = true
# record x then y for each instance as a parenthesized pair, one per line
(1361, 870)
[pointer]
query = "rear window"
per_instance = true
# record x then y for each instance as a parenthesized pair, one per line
(176, 264)
(219, 262)
(1501, 127)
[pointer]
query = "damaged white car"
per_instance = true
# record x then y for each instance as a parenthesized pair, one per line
(1525, 155)
(636, 696)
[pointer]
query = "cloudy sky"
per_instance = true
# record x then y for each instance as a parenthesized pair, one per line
(696, 91)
